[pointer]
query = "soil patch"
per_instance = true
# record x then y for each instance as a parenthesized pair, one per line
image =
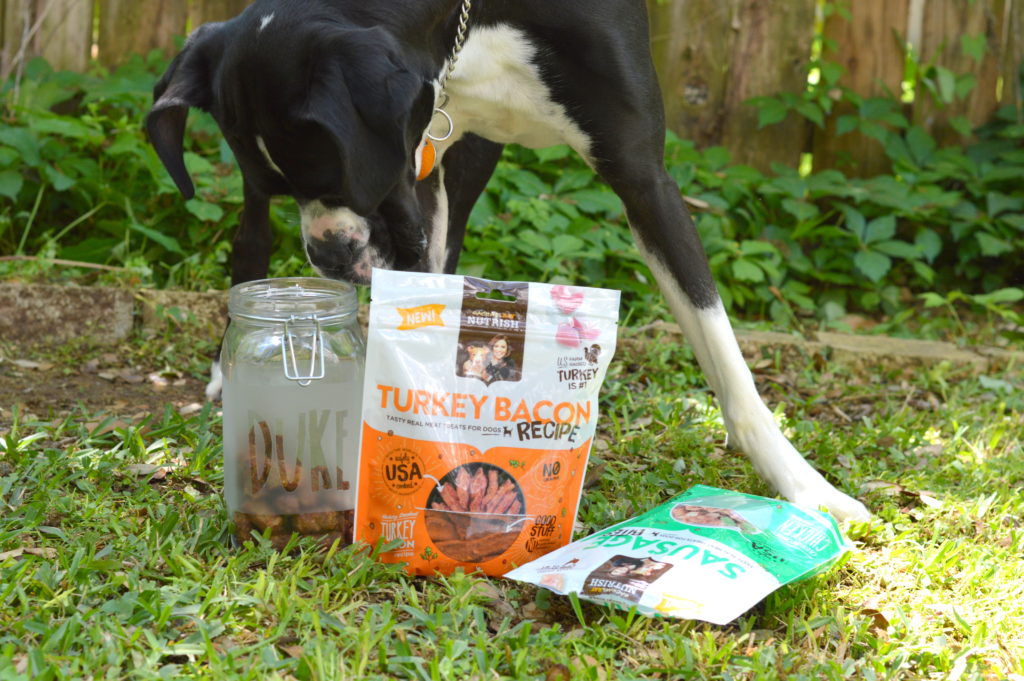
(48, 389)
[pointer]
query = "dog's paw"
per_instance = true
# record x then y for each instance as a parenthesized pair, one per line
(216, 384)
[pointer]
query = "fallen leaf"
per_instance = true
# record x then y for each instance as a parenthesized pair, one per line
(883, 486)
(594, 474)
(532, 612)
(154, 472)
(928, 500)
(873, 609)
(641, 422)
(30, 551)
(498, 607)
(97, 428)
(29, 364)
(43, 553)
(557, 672)
(589, 665)
(16, 553)
(292, 651)
(857, 322)
(699, 204)
(190, 409)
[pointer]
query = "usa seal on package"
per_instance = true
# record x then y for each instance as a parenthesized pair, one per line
(479, 410)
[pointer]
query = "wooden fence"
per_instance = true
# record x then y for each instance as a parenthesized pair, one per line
(711, 55)
(68, 33)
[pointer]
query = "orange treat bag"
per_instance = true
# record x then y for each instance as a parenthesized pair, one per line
(479, 409)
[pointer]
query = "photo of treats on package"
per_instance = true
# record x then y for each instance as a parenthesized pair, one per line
(479, 410)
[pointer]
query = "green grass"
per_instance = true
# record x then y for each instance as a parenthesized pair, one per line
(115, 576)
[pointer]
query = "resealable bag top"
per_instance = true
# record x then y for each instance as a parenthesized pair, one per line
(479, 409)
(708, 554)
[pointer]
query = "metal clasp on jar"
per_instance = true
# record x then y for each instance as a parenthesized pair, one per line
(316, 353)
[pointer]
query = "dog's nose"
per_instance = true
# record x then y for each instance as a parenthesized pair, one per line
(340, 222)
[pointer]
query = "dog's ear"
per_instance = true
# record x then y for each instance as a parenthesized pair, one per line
(373, 128)
(186, 83)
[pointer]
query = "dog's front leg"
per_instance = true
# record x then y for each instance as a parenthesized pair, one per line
(449, 193)
(253, 241)
(250, 260)
(669, 242)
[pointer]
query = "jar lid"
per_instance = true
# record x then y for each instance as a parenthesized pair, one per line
(292, 299)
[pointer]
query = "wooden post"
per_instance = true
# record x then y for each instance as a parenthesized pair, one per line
(203, 11)
(65, 35)
(10, 33)
(130, 27)
(943, 25)
(771, 54)
(1012, 57)
(869, 48)
(60, 31)
(692, 65)
(713, 55)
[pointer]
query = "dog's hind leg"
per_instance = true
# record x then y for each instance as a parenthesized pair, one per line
(668, 239)
(627, 135)
(666, 236)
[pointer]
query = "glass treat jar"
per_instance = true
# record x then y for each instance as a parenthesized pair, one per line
(293, 359)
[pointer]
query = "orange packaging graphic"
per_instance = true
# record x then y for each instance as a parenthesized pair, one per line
(479, 410)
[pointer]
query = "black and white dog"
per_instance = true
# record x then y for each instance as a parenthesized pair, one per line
(330, 101)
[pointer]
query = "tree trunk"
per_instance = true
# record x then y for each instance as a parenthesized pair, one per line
(870, 49)
(134, 27)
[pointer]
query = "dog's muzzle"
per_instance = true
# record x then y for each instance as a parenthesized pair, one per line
(338, 243)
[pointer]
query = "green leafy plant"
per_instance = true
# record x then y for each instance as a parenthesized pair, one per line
(85, 186)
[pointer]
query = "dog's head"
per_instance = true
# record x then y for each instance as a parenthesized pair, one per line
(327, 112)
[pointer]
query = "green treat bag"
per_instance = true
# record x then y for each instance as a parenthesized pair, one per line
(708, 554)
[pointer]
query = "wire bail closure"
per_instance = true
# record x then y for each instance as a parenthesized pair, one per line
(289, 361)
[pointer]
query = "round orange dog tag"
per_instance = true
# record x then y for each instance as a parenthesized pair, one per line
(427, 156)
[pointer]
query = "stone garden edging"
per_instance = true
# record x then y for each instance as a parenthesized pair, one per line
(53, 314)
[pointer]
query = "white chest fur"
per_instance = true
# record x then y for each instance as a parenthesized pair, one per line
(496, 91)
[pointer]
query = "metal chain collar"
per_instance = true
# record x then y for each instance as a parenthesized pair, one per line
(460, 41)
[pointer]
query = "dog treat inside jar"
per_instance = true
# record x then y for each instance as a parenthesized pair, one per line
(293, 359)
